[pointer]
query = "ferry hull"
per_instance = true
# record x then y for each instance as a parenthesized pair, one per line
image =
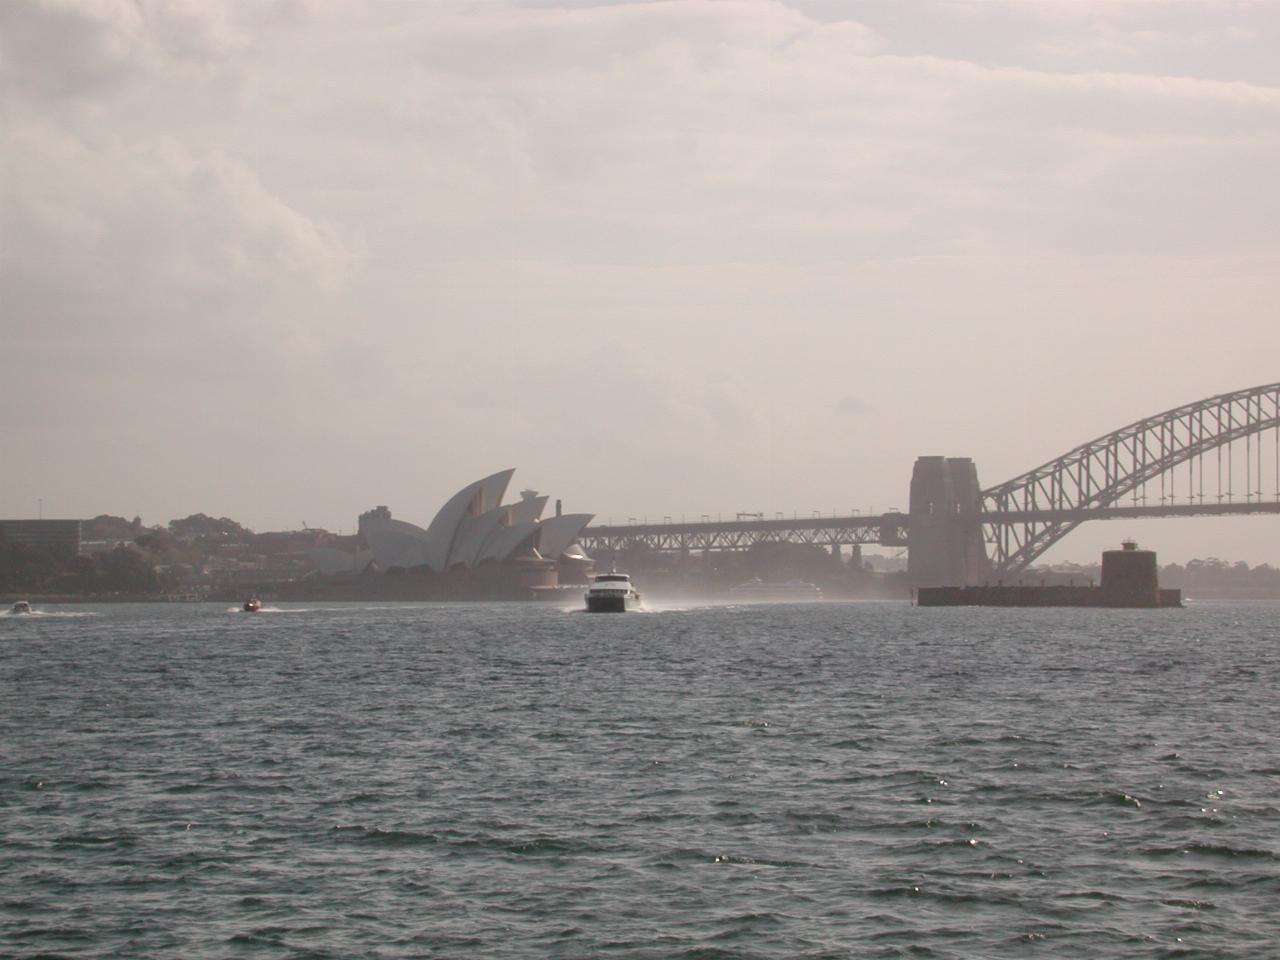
(610, 604)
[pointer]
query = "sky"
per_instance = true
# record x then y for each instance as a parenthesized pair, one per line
(284, 260)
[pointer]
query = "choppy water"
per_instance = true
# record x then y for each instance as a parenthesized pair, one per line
(512, 780)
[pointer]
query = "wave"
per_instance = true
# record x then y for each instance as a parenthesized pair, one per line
(115, 840)
(691, 855)
(378, 837)
(1213, 850)
(37, 614)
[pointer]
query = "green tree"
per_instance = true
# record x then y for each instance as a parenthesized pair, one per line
(200, 526)
(125, 570)
(26, 568)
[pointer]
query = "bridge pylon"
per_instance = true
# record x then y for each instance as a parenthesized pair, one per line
(945, 524)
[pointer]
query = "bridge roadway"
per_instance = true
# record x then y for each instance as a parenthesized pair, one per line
(887, 529)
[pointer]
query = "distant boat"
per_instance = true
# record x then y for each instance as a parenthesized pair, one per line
(22, 606)
(757, 590)
(252, 605)
(612, 593)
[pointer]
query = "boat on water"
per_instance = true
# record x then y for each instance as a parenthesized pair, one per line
(252, 605)
(612, 593)
(759, 591)
(22, 606)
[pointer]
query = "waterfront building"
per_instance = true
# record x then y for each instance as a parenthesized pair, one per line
(478, 544)
(61, 538)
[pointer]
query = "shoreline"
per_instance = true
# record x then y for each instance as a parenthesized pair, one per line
(7, 601)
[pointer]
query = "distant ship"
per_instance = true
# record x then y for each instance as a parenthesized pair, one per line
(22, 606)
(756, 590)
(612, 593)
(252, 605)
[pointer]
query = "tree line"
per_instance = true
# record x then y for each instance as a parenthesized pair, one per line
(146, 561)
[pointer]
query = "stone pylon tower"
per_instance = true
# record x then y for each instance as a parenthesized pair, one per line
(944, 529)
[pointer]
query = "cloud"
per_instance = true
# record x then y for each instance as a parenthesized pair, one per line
(153, 215)
(749, 130)
(61, 48)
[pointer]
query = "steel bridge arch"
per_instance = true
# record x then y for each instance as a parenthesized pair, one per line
(1097, 474)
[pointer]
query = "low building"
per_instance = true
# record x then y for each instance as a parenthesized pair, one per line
(1129, 579)
(61, 538)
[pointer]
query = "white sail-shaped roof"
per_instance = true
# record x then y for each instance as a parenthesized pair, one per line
(473, 527)
(473, 533)
(492, 489)
(471, 501)
(527, 510)
(506, 540)
(395, 543)
(556, 533)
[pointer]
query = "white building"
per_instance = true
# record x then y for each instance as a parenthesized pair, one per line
(475, 528)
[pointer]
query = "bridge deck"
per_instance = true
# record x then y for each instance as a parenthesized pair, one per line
(888, 529)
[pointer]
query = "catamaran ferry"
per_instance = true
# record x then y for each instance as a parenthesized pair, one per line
(612, 593)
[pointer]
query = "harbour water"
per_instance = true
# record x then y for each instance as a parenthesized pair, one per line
(516, 780)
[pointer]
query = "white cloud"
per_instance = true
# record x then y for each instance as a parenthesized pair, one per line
(64, 48)
(745, 125)
(153, 222)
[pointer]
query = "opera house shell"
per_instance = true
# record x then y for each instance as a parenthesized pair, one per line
(475, 531)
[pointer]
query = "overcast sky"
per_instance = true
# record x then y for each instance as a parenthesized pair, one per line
(285, 261)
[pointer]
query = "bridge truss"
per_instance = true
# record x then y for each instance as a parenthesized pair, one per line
(712, 535)
(1207, 457)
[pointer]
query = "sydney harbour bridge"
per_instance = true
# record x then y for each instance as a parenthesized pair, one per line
(1217, 456)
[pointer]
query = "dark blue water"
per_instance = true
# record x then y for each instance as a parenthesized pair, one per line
(835, 780)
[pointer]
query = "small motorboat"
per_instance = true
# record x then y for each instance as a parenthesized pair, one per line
(612, 593)
(252, 605)
(22, 606)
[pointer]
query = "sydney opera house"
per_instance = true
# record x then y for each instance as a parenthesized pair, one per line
(478, 546)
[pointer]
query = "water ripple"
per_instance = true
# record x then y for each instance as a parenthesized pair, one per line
(509, 780)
